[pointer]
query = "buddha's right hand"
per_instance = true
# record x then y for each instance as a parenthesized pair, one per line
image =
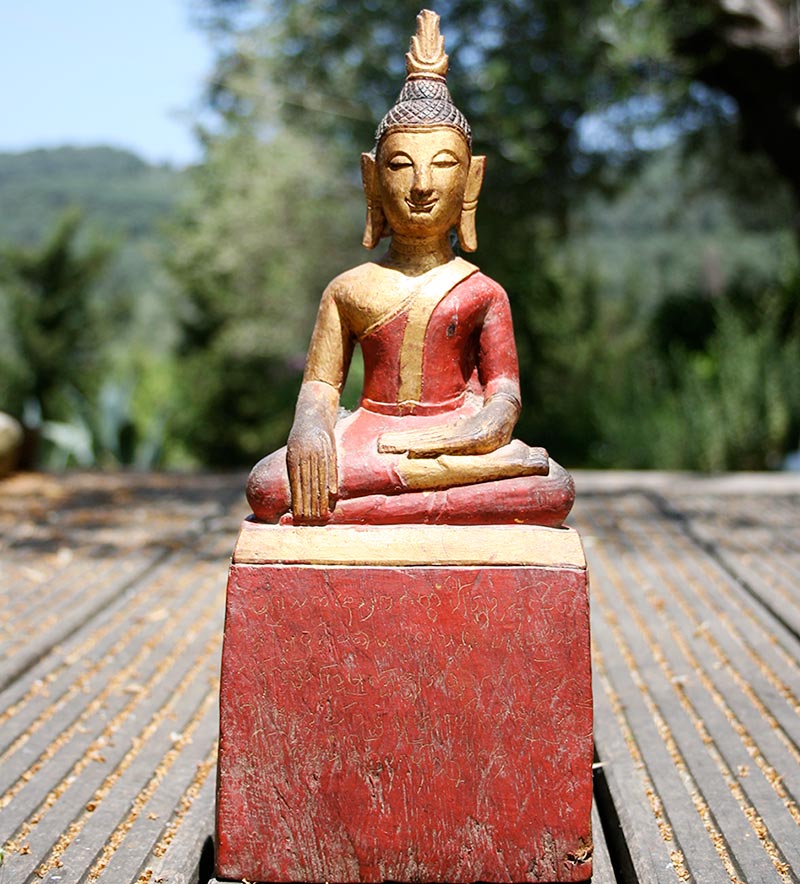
(311, 463)
(311, 452)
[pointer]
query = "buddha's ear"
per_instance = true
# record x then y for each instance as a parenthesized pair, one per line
(467, 234)
(376, 221)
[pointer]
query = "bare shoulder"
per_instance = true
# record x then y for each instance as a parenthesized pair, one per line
(352, 282)
(487, 282)
(365, 293)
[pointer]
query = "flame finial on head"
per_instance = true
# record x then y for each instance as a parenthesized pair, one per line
(426, 57)
(425, 99)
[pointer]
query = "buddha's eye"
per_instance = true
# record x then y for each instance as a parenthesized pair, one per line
(445, 161)
(397, 163)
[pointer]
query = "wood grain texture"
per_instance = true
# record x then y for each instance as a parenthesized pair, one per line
(108, 732)
(697, 674)
(409, 545)
(695, 585)
(416, 723)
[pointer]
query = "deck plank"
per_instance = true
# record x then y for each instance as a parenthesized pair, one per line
(111, 602)
(685, 651)
(109, 734)
(184, 853)
(636, 816)
(80, 678)
(758, 544)
(602, 868)
(742, 667)
(125, 736)
(651, 746)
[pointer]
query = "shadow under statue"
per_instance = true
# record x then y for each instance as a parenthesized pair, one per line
(406, 689)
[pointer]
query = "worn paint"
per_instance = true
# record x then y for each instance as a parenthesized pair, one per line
(405, 723)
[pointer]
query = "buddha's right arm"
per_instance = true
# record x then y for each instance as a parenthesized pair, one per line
(311, 449)
(331, 346)
(311, 452)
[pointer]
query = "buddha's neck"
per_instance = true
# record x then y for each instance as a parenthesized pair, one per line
(417, 256)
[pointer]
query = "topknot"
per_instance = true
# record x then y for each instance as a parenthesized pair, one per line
(424, 99)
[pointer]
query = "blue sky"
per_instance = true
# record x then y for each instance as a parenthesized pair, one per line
(85, 72)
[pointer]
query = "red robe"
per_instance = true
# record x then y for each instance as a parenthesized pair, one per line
(468, 347)
(438, 359)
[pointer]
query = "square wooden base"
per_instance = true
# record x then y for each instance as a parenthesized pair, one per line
(415, 716)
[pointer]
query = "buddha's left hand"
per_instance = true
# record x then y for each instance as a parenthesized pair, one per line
(486, 431)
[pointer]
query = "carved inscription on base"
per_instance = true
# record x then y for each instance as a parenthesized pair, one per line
(405, 723)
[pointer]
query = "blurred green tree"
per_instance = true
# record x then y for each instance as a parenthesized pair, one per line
(565, 99)
(726, 71)
(270, 221)
(53, 341)
(749, 51)
(730, 402)
(558, 94)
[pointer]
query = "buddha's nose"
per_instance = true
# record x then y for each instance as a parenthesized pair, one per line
(421, 187)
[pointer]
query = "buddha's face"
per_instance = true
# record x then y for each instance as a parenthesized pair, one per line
(422, 176)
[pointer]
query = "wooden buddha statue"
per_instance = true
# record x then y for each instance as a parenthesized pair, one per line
(431, 440)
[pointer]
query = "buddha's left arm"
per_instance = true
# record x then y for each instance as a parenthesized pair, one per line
(493, 425)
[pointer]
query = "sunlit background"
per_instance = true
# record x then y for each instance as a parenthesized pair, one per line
(179, 180)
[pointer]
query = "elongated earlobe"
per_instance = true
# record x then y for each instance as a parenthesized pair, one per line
(376, 221)
(467, 234)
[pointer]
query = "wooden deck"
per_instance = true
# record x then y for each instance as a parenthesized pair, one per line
(112, 593)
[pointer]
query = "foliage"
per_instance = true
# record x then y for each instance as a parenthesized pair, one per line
(120, 194)
(727, 69)
(85, 322)
(570, 355)
(271, 220)
(117, 427)
(673, 227)
(558, 94)
(726, 399)
(584, 269)
(55, 341)
(637, 218)
(115, 189)
(524, 74)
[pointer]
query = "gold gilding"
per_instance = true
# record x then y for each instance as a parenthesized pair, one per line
(421, 183)
(437, 283)
(426, 56)
(409, 545)
(422, 180)
(448, 471)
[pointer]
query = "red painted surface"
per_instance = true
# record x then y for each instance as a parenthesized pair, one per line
(409, 724)
(469, 355)
(469, 345)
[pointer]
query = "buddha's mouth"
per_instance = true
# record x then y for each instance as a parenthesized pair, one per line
(421, 208)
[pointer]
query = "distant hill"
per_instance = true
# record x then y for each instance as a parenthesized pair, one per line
(125, 201)
(120, 193)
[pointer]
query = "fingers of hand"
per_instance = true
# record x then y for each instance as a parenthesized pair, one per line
(305, 488)
(295, 483)
(333, 473)
(325, 475)
(317, 481)
(313, 479)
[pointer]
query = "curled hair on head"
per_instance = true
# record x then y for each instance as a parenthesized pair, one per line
(425, 99)
(424, 102)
